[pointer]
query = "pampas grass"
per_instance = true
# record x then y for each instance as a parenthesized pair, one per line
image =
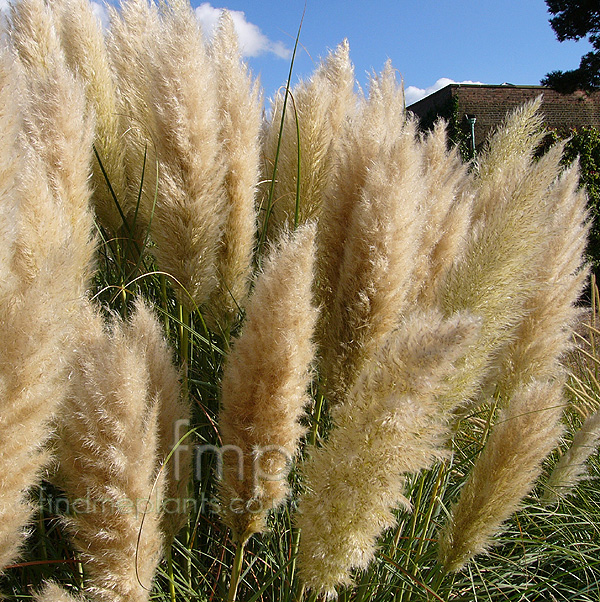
(392, 425)
(54, 593)
(505, 472)
(86, 53)
(376, 250)
(308, 145)
(265, 384)
(47, 223)
(57, 124)
(240, 122)
(107, 451)
(190, 208)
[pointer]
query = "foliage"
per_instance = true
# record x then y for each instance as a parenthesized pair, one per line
(583, 144)
(459, 131)
(574, 20)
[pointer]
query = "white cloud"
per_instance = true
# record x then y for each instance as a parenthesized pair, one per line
(101, 13)
(412, 94)
(252, 40)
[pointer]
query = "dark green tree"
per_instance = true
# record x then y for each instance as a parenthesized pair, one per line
(575, 20)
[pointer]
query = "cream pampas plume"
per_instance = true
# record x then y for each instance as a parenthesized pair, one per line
(239, 134)
(392, 425)
(383, 232)
(54, 593)
(107, 450)
(315, 115)
(526, 432)
(447, 206)
(45, 257)
(173, 417)
(29, 371)
(85, 49)
(190, 210)
(265, 382)
(571, 468)
(497, 273)
(545, 334)
(132, 29)
(529, 377)
(10, 162)
(362, 137)
(57, 124)
(368, 231)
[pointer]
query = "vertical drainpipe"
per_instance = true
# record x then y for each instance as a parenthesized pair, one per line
(472, 119)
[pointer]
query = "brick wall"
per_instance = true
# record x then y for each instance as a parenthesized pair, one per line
(490, 104)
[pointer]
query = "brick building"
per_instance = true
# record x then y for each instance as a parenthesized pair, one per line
(489, 104)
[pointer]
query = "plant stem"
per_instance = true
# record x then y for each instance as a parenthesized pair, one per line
(269, 208)
(316, 420)
(432, 505)
(170, 572)
(295, 544)
(165, 302)
(363, 588)
(184, 348)
(299, 594)
(236, 571)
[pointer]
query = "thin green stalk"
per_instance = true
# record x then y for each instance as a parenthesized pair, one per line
(295, 543)
(299, 169)
(316, 420)
(365, 582)
(413, 528)
(236, 571)
(42, 527)
(170, 573)
(299, 594)
(184, 348)
(165, 302)
(432, 505)
(269, 208)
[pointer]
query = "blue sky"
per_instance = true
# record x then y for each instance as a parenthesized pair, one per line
(430, 42)
(487, 41)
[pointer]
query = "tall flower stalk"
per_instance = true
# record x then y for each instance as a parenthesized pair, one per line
(265, 387)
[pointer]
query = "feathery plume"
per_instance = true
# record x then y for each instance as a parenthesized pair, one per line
(10, 125)
(363, 136)
(190, 210)
(545, 334)
(391, 426)
(383, 236)
(497, 273)
(57, 125)
(315, 114)
(447, 215)
(107, 449)
(571, 468)
(239, 134)
(526, 432)
(265, 383)
(525, 368)
(132, 30)
(47, 220)
(52, 592)
(173, 417)
(84, 45)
